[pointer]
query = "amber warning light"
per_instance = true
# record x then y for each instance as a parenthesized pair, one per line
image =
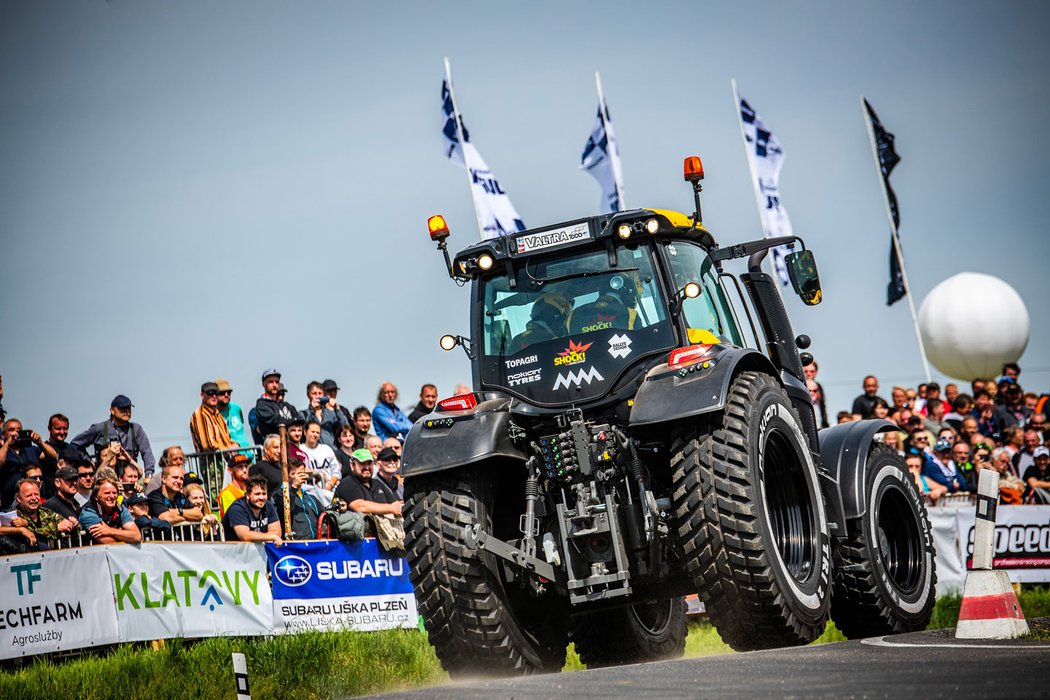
(438, 228)
(693, 169)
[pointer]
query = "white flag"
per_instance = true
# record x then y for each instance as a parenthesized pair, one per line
(496, 215)
(601, 158)
(766, 156)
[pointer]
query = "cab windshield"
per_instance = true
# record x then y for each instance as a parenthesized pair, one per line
(571, 296)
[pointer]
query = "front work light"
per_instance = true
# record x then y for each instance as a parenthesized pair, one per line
(652, 226)
(447, 342)
(623, 231)
(485, 261)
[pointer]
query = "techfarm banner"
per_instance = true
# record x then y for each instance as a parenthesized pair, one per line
(187, 589)
(336, 585)
(55, 601)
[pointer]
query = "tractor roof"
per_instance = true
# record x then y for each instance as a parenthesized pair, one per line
(619, 228)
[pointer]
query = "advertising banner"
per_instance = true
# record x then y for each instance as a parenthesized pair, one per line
(168, 590)
(55, 601)
(1022, 541)
(334, 585)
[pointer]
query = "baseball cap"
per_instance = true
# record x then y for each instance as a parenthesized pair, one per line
(239, 458)
(223, 385)
(120, 401)
(192, 478)
(942, 446)
(209, 386)
(75, 457)
(387, 453)
(135, 499)
(67, 474)
(362, 455)
(330, 385)
(270, 373)
(1005, 380)
(296, 420)
(1041, 451)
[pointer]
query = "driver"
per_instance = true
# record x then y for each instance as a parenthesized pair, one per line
(615, 308)
(548, 320)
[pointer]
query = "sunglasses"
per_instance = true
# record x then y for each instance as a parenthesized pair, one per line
(225, 393)
(86, 475)
(211, 393)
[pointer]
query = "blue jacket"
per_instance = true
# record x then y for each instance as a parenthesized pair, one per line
(390, 421)
(955, 483)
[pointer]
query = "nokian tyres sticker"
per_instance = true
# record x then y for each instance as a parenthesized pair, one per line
(525, 377)
(549, 239)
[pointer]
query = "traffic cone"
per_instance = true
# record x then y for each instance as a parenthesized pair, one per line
(989, 606)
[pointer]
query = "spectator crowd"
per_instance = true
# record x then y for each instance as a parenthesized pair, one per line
(106, 484)
(947, 439)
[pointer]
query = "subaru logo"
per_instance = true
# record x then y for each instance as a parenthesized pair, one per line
(292, 571)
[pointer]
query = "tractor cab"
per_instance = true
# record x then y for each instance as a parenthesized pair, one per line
(569, 313)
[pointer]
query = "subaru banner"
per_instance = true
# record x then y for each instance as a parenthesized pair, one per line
(336, 585)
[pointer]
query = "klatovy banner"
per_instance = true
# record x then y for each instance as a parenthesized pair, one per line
(601, 158)
(193, 589)
(766, 156)
(56, 601)
(496, 215)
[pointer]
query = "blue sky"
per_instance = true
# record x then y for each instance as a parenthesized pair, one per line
(191, 190)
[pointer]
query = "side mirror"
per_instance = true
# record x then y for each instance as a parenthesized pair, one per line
(802, 269)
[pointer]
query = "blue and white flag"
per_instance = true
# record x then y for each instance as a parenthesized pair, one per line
(496, 215)
(765, 156)
(601, 158)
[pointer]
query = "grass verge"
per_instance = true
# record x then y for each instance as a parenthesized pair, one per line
(321, 665)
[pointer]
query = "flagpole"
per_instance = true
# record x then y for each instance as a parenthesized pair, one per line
(463, 147)
(605, 128)
(895, 239)
(750, 165)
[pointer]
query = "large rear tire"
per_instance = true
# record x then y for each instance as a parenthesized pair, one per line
(751, 521)
(470, 618)
(629, 635)
(886, 582)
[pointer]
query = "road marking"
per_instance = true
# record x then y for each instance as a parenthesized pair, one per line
(881, 642)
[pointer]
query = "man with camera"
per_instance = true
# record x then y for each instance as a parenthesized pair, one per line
(119, 428)
(323, 411)
(19, 449)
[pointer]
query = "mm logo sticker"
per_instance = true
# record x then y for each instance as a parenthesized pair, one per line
(577, 378)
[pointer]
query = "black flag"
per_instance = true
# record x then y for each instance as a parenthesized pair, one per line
(888, 160)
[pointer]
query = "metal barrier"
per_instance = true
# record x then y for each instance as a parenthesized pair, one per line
(183, 532)
(211, 467)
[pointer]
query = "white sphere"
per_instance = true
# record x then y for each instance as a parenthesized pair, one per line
(972, 324)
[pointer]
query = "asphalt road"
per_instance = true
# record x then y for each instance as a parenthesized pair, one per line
(920, 665)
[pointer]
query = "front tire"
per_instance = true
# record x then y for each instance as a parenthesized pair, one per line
(751, 520)
(472, 624)
(633, 634)
(886, 582)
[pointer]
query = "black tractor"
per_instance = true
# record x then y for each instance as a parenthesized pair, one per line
(624, 446)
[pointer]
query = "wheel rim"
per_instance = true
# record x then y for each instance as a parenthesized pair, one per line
(899, 540)
(653, 617)
(789, 504)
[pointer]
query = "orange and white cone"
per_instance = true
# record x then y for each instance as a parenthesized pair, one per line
(989, 606)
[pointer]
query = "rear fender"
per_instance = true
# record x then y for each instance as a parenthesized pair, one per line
(844, 452)
(451, 439)
(669, 395)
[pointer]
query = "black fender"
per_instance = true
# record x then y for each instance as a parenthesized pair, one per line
(844, 452)
(667, 394)
(450, 439)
